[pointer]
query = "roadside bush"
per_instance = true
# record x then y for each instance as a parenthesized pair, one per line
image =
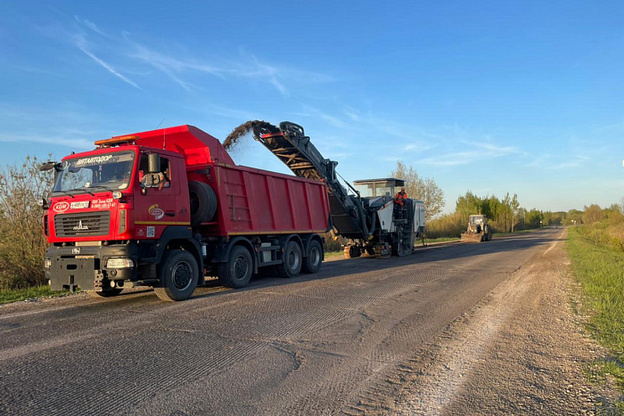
(616, 236)
(606, 233)
(449, 225)
(332, 244)
(23, 245)
(593, 213)
(615, 229)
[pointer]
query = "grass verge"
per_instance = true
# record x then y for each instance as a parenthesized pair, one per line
(600, 270)
(8, 296)
(437, 240)
(334, 254)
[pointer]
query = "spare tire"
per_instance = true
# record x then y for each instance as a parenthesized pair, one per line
(203, 201)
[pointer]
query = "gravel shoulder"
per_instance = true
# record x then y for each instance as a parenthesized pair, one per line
(521, 350)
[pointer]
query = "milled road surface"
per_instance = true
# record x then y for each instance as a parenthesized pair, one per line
(340, 341)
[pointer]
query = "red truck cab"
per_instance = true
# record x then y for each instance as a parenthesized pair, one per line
(166, 208)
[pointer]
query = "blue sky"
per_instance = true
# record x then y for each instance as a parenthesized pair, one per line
(494, 97)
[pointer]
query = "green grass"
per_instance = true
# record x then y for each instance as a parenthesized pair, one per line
(8, 296)
(516, 232)
(437, 240)
(600, 270)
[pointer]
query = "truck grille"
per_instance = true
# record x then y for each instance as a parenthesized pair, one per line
(83, 224)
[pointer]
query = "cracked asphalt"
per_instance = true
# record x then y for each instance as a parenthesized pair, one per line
(314, 344)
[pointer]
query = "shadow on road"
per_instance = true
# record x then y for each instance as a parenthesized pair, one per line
(333, 269)
(424, 255)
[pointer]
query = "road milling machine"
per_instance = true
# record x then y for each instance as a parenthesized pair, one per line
(366, 214)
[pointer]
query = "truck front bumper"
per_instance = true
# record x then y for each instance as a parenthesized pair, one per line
(84, 267)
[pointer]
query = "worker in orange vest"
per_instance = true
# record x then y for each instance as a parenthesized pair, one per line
(400, 197)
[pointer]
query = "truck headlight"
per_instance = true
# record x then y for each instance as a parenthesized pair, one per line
(47, 263)
(123, 263)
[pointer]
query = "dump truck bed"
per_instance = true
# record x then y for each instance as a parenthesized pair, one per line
(254, 201)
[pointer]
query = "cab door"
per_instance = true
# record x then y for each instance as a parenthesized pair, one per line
(157, 203)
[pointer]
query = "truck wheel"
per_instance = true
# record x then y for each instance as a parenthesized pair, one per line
(236, 273)
(351, 252)
(293, 260)
(203, 202)
(105, 294)
(314, 259)
(178, 275)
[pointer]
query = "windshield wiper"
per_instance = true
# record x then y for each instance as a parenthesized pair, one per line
(68, 192)
(102, 187)
(65, 193)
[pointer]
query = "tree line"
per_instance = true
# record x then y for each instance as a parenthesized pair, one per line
(504, 214)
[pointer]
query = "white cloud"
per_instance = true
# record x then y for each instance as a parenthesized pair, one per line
(247, 67)
(81, 43)
(90, 25)
(478, 152)
(451, 159)
(68, 141)
(571, 162)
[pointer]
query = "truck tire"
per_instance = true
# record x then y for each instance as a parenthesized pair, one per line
(314, 257)
(178, 275)
(292, 260)
(203, 201)
(237, 271)
(487, 233)
(351, 252)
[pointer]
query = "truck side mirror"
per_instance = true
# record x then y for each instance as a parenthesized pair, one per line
(153, 163)
(50, 165)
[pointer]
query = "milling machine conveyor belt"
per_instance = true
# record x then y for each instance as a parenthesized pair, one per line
(294, 148)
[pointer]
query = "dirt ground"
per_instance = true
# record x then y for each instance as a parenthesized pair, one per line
(522, 350)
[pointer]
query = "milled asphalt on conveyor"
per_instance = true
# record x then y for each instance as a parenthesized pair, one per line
(308, 345)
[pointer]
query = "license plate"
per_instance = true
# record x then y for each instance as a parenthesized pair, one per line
(80, 205)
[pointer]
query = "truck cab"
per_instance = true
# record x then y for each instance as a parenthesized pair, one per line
(165, 208)
(109, 210)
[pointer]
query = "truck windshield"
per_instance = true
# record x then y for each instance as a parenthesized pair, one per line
(108, 171)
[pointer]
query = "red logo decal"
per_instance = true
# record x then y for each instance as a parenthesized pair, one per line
(61, 206)
(157, 212)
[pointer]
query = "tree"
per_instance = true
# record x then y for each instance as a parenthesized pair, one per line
(514, 205)
(469, 204)
(534, 218)
(573, 217)
(593, 213)
(522, 213)
(23, 244)
(506, 212)
(491, 207)
(425, 189)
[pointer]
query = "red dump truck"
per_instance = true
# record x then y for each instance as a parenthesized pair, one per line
(168, 207)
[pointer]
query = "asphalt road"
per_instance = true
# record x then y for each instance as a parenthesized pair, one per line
(315, 344)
